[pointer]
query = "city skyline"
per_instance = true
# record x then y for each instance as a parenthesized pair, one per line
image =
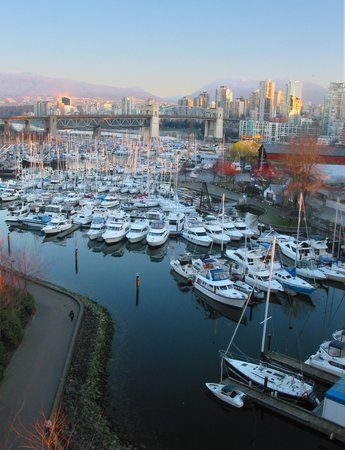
(174, 49)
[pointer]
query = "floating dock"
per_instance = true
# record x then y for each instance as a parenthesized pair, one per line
(291, 410)
(320, 376)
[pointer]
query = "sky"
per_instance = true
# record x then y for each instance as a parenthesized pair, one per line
(173, 47)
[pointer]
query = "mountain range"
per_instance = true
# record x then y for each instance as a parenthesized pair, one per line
(20, 85)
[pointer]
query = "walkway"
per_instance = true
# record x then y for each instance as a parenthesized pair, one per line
(32, 378)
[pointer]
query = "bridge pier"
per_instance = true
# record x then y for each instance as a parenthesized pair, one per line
(214, 126)
(96, 133)
(7, 131)
(51, 127)
(153, 112)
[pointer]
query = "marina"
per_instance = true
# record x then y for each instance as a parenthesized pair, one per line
(178, 320)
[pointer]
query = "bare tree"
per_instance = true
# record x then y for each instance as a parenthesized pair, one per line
(300, 165)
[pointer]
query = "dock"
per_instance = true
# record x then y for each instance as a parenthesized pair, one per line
(320, 376)
(290, 410)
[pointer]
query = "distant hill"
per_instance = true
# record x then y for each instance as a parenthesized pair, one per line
(19, 85)
(310, 91)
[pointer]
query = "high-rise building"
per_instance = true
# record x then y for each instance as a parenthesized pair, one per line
(334, 110)
(43, 108)
(127, 105)
(185, 104)
(279, 102)
(293, 101)
(202, 100)
(238, 108)
(223, 99)
(266, 100)
(253, 107)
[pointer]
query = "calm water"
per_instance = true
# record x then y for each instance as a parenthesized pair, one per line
(166, 344)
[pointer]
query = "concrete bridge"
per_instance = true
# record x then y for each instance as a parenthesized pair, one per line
(147, 123)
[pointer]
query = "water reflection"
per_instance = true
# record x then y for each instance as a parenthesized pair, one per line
(214, 309)
(157, 254)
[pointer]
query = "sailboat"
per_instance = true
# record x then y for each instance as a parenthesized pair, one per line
(268, 376)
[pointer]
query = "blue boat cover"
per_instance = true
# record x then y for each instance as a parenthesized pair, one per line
(337, 392)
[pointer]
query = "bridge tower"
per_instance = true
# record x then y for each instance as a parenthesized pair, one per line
(51, 127)
(215, 125)
(7, 131)
(96, 133)
(153, 112)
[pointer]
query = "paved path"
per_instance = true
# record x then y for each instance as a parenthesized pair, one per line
(32, 378)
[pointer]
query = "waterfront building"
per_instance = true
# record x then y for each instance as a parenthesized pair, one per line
(276, 131)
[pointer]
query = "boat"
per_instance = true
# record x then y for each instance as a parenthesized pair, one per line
(330, 357)
(118, 225)
(35, 221)
(138, 231)
(183, 266)
(278, 380)
(227, 393)
(291, 282)
(176, 221)
(57, 225)
(97, 227)
(229, 228)
(158, 233)
(248, 289)
(83, 217)
(8, 195)
(110, 201)
(16, 214)
(333, 272)
(297, 251)
(214, 282)
(194, 232)
(260, 279)
(215, 231)
(308, 269)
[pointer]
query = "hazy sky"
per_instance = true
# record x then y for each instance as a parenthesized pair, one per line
(176, 46)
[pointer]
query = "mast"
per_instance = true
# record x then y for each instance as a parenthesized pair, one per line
(268, 298)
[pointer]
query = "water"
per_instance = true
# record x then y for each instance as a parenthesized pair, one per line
(166, 343)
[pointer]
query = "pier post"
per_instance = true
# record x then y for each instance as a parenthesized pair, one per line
(9, 243)
(137, 284)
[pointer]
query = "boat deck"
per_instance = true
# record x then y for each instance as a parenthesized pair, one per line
(65, 233)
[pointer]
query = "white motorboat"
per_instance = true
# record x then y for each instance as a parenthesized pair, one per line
(229, 228)
(293, 283)
(227, 393)
(183, 266)
(297, 251)
(16, 214)
(241, 226)
(215, 231)
(138, 231)
(214, 282)
(308, 269)
(176, 221)
(57, 225)
(97, 228)
(158, 233)
(330, 357)
(195, 233)
(118, 225)
(83, 217)
(248, 289)
(110, 201)
(273, 378)
(250, 260)
(35, 221)
(260, 279)
(333, 272)
(8, 195)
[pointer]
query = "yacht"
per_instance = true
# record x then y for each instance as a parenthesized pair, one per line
(8, 195)
(214, 282)
(57, 225)
(176, 221)
(138, 230)
(330, 356)
(214, 230)
(110, 201)
(297, 251)
(229, 228)
(16, 214)
(117, 226)
(158, 233)
(291, 282)
(194, 232)
(35, 221)
(97, 227)
(260, 279)
(184, 267)
(83, 217)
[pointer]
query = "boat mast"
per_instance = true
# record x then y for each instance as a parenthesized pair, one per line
(268, 298)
